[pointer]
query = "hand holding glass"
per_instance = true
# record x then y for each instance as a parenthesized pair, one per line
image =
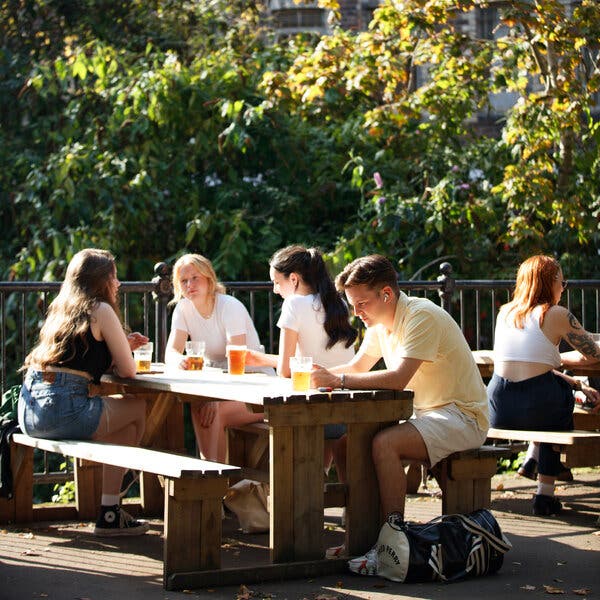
(194, 351)
(301, 367)
(143, 358)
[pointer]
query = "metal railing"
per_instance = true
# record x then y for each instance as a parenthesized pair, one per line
(145, 305)
(473, 304)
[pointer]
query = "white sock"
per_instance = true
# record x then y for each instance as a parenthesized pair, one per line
(533, 451)
(547, 489)
(109, 499)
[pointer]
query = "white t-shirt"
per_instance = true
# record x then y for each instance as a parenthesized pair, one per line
(306, 315)
(229, 318)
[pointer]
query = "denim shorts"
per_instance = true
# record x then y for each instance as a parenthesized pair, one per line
(56, 405)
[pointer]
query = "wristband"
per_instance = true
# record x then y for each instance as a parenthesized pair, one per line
(343, 381)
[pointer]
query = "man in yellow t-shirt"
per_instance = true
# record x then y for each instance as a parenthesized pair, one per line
(423, 349)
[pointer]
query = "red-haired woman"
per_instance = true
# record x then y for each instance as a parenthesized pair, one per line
(526, 391)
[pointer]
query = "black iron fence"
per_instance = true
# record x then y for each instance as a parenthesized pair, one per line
(473, 304)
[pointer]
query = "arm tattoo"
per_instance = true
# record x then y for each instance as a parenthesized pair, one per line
(585, 344)
(573, 322)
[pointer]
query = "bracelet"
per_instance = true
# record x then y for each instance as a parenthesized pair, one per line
(577, 385)
(343, 381)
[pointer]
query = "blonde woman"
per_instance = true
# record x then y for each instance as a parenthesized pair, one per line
(204, 312)
(81, 339)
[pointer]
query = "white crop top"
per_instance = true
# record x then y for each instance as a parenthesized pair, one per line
(524, 345)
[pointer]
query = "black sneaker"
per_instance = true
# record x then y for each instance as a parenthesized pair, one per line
(114, 521)
(546, 505)
(129, 479)
(528, 469)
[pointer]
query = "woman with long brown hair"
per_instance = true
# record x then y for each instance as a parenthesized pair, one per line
(526, 391)
(81, 338)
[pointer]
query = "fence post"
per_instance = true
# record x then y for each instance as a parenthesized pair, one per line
(447, 286)
(163, 291)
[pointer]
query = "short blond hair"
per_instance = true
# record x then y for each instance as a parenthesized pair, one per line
(204, 267)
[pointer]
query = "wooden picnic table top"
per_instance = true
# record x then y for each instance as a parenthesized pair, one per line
(251, 388)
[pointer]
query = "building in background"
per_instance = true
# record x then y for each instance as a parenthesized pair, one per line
(482, 22)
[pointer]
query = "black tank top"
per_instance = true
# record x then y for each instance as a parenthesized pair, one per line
(95, 359)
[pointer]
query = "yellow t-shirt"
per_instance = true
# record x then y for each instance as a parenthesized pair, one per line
(425, 331)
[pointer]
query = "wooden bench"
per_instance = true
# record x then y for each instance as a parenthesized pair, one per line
(464, 477)
(577, 448)
(193, 493)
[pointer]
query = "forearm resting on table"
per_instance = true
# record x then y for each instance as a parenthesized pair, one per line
(383, 379)
(575, 358)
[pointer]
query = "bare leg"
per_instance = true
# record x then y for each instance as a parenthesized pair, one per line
(212, 440)
(233, 414)
(206, 437)
(122, 422)
(391, 447)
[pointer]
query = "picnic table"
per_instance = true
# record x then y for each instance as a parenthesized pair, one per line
(296, 438)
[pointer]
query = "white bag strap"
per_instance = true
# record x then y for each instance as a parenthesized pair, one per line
(500, 544)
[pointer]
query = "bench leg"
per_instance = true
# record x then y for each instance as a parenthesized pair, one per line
(192, 533)
(465, 483)
(19, 508)
(88, 488)
(248, 449)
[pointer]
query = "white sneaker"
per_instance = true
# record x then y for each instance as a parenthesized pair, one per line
(336, 552)
(365, 565)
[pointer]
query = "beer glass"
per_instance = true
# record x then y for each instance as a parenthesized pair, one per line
(194, 351)
(143, 358)
(236, 359)
(301, 366)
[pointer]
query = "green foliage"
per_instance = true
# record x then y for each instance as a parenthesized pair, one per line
(155, 128)
(511, 464)
(64, 493)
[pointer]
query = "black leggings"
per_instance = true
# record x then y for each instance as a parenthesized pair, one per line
(542, 403)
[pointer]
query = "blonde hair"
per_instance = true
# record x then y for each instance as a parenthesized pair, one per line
(534, 287)
(204, 267)
(87, 282)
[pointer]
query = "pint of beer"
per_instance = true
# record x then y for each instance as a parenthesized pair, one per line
(194, 351)
(236, 359)
(301, 366)
(143, 358)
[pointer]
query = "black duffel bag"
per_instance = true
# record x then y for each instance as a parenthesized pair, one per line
(447, 548)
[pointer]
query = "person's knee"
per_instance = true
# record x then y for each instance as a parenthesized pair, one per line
(381, 446)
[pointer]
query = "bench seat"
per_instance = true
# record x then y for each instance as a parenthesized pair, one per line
(464, 477)
(193, 493)
(577, 448)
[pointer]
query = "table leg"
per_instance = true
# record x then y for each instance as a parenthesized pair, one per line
(297, 478)
(363, 509)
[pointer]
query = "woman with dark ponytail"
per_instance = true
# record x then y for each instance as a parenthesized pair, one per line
(314, 318)
(315, 322)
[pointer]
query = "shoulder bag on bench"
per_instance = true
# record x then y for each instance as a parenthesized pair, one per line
(447, 548)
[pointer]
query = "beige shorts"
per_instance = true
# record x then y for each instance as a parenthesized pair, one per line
(446, 430)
